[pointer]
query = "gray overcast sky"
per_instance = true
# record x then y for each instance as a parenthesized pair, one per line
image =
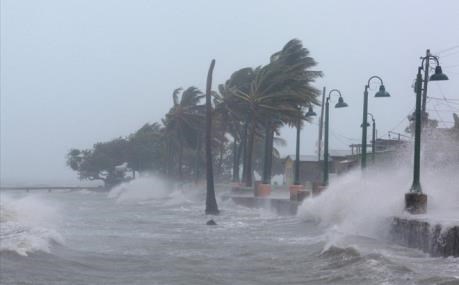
(77, 72)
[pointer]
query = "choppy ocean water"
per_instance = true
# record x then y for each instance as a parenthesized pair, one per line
(144, 234)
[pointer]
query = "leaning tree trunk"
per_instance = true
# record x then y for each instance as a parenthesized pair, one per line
(169, 160)
(211, 202)
(198, 160)
(220, 161)
(244, 150)
(236, 154)
(180, 158)
(268, 153)
(249, 153)
(222, 148)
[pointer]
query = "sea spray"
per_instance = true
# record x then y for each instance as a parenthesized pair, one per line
(363, 204)
(149, 187)
(28, 224)
(140, 189)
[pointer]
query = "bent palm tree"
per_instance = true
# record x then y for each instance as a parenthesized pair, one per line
(183, 121)
(230, 111)
(278, 90)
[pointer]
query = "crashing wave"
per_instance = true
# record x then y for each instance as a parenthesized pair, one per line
(27, 225)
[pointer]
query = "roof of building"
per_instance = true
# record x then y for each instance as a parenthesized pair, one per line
(303, 157)
(314, 157)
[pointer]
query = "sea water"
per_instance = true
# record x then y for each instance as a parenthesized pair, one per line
(147, 232)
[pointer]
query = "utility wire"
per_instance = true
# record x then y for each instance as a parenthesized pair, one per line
(442, 99)
(438, 114)
(451, 66)
(448, 49)
(443, 96)
(450, 54)
(401, 121)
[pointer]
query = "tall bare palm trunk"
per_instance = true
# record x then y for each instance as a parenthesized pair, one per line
(211, 201)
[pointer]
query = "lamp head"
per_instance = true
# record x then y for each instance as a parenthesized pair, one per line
(310, 112)
(438, 75)
(341, 103)
(382, 92)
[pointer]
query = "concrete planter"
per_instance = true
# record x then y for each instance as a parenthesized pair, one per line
(262, 190)
(298, 193)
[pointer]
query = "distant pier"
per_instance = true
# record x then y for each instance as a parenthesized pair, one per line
(52, 188)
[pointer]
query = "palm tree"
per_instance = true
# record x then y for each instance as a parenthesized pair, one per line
(292, 54)
(277, 91)
(211, 202)
(182, 123)
(230, 111)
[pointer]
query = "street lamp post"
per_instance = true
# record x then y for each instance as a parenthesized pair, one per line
(415, 200)
(310, 113)
(297, 187)
(373, 137)
(381, 93)
(340, 104)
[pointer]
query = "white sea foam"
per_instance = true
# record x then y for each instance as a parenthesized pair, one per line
(28, 224)
(363, 204)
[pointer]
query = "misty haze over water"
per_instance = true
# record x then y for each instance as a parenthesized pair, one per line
(92, 94)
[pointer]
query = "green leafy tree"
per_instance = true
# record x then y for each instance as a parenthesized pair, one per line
(105, 162)
(145, 149)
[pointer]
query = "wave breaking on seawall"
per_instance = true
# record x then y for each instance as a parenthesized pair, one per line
(357, 204)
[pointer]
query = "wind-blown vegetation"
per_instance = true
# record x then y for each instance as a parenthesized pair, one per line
(248, 111)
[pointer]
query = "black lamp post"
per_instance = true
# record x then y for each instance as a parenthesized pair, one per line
(415, 200)
(373, 137)
(340, 104)
(381, 93)
(310, 113)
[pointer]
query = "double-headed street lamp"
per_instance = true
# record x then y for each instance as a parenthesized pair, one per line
(381, 93)
(437, 76)
(340, 104)
(415, 200)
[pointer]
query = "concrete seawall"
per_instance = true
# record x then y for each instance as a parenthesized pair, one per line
(432, 238)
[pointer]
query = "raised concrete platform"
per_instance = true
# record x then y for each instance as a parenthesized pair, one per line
(238, 190)
(280, 206)
(432, 238)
